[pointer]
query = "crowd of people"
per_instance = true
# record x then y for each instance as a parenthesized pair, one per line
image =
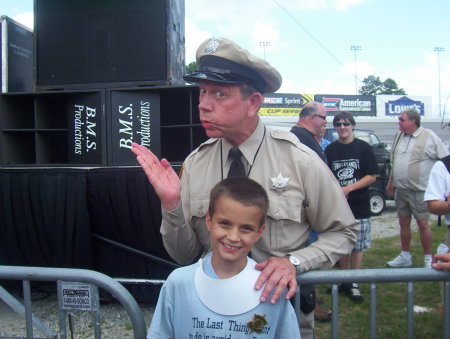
(250, 209)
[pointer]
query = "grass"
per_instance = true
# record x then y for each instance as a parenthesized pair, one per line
(391, 297)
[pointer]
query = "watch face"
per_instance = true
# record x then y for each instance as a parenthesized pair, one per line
(294, 260)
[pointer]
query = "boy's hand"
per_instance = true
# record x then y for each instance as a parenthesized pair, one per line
(441, 261)
(279, 273)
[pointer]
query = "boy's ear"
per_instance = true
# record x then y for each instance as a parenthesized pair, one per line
(208, 222)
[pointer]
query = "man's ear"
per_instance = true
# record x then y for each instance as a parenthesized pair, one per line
(255, 99)
(208, 222)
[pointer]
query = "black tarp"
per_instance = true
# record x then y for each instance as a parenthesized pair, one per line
(47, 217)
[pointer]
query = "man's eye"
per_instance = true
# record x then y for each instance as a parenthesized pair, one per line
(202, 90)
(220, 94)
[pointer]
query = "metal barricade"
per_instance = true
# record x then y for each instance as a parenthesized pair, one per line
(374, 276)
(74, 276)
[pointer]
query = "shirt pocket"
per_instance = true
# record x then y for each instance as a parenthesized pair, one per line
(199, 207)
(285, 208)
(283, 232)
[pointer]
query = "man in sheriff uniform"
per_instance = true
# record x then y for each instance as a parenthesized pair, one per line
(303, 193)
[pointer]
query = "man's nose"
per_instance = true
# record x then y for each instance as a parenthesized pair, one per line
(204, 103)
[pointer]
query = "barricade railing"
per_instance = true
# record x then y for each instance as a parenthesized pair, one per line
(333, 277)
(372, 277)
(70, 285)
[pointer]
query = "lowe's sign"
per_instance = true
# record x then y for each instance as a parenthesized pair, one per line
(395, 107)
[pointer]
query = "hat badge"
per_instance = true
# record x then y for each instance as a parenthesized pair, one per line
(211, 46)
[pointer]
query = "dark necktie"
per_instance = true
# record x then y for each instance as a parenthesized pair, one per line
(237, 169)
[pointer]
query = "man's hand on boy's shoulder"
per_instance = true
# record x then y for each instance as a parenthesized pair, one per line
(279, 273)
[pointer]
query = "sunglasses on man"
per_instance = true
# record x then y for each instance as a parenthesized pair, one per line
(320, 116)
(339, 124)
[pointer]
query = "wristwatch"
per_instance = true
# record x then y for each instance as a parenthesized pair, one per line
(295, 261)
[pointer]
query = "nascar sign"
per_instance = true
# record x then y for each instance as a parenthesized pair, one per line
(284, 104)
(358, 105)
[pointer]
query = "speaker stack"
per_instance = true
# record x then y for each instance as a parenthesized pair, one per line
(108, 43)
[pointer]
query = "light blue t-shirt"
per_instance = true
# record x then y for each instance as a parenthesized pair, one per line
(180, 313)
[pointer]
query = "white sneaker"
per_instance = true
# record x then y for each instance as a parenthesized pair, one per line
(400, 261)
(427, 262)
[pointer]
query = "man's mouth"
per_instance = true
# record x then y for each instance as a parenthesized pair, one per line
(206, 124)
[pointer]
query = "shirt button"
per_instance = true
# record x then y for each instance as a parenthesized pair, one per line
(277, 215)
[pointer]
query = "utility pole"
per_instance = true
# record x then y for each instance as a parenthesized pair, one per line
(438, 50)
(355, 49)
(264, 44)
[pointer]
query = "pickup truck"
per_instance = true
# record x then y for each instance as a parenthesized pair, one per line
(378, 194)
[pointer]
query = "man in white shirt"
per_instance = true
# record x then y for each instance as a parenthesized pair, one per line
(437, 195)
(415, 150)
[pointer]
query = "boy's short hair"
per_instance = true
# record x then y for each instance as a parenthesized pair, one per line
(342, 115)
(243, 190)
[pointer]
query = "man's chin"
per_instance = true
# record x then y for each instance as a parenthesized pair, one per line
(213, 133)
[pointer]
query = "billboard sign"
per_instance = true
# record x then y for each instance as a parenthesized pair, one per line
(358, 105)
(284, 104)
(393, 105)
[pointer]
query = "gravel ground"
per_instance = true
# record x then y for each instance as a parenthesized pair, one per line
(114, 319)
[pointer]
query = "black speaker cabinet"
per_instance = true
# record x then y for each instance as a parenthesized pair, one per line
(16, 56)
(52, 128)
(108, 43)
(164, 119)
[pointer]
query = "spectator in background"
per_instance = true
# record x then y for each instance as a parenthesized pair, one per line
(437, 198)
(310, 128)
(414, 152)
(323, 143)
(309, 125)
(353, 163)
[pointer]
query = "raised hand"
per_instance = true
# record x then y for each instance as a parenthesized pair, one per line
(161, 176)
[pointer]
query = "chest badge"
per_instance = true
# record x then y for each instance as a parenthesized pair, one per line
(279, 183)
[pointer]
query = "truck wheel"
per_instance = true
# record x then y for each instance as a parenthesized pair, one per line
(377, 202)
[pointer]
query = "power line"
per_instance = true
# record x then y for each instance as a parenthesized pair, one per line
(310, 34)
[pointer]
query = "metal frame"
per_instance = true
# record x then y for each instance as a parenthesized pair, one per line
(27, 274)
(373, 276)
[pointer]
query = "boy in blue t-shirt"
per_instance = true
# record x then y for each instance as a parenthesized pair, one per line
(215, 297)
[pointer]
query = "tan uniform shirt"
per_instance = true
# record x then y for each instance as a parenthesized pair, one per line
(310, 197)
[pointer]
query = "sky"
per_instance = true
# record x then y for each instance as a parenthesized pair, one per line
(309, 41)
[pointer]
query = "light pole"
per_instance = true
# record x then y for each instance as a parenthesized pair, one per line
(438, 50)
(264, 44)
(355, 49)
